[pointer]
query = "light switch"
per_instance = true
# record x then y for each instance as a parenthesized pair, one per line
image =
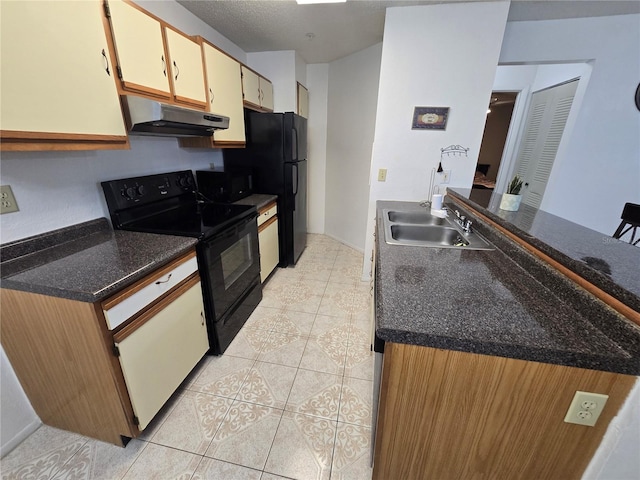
(382, 175)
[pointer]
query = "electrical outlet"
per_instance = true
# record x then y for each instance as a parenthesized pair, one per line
(7, 200)
(585, 408)
(382, 175)
(445, 176)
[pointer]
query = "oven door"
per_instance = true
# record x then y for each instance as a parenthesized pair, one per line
(233, 263)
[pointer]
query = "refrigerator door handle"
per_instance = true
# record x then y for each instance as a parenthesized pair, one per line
(295, 148)
(295, 190)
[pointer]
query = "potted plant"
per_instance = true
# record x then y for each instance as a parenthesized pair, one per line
(511, 198)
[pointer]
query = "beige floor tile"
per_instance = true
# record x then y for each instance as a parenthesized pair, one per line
(283, 349)
(212, 469)
(352, 453)
(325, 353)
(261, 319)
(42, 454)
(268, 384)
(271, 476)
(316, 394)
(359, 335)
(223, 376)
(158, 461)
(359, 361)
(302, 296)
(342, 300)
(303, 447)
(293, 323)
(100, 461)
(363, 320)
(246, 435)
(247, 343)
(313, 267)
(193, 422)
(355, 401)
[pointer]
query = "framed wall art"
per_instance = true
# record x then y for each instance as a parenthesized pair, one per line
(430, 118)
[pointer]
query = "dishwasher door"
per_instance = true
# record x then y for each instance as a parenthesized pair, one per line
(160, 348)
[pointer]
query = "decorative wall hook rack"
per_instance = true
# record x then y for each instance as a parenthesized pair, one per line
(451, 150)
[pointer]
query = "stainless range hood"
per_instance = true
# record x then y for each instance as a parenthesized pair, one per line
(150, 117)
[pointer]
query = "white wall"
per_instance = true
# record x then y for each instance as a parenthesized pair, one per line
(318, 84)
(454, 70)
(617, 457)
(602, 156)
(280, 68)
(17, 418)
(353, 90)
(527, 79)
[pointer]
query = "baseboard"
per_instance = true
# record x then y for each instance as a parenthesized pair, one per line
(359, 249)
(19, 437)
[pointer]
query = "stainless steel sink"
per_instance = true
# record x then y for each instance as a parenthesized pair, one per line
(437, 235)
(418, 228)
(415, 218)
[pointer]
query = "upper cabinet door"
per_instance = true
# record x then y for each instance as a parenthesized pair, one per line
(250, 86)
(56, 77)
(140, 51)
(266, 94)
(303, 101)
(225, 93)
(187, 73)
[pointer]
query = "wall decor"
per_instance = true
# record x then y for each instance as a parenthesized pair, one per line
(430, 118)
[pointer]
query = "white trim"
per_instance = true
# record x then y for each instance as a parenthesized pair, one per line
(19, 437)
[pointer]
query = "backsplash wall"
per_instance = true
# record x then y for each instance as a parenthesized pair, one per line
(58, 189)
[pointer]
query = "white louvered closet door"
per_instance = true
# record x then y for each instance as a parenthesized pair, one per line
(546, 120)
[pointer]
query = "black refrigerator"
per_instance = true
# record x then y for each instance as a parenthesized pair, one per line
(276, 151)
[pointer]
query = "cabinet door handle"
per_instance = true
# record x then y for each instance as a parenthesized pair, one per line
(106, 62)
(164, 281)
(177, 69)
(211, 92)
(164, 66)
(202, 318)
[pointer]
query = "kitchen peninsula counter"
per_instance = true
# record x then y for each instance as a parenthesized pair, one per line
(503, 303)
(87, 262)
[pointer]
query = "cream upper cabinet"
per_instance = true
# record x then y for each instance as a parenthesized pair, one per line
(57, 81)
(303, 101)
(225, 92)
(251, 86)
(258, 91)
(140, 52)
(187, 72)
(266, 92)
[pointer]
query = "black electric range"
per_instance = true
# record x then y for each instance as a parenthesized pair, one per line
(228, 253)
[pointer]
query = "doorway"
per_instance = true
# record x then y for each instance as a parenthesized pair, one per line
(496, 128)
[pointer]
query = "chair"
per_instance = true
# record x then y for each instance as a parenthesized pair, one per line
(630, 222)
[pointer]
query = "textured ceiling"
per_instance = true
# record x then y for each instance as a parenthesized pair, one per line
(344, 28)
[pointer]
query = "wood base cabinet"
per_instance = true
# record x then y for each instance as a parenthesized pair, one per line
(106, 384)
(455, 415)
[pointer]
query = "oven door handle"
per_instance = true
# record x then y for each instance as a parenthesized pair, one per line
(226, 234)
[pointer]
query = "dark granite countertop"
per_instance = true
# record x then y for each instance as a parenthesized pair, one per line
(503, 302)
(610, 264)
(86, 262)
(259, 200)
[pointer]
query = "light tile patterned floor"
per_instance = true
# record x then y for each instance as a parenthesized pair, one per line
(290, 398)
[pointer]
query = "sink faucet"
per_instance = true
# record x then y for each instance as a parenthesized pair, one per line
(463, 221)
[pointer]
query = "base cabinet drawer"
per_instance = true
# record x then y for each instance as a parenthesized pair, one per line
(159, 349)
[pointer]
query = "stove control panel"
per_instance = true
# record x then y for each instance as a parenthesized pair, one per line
(129, 192)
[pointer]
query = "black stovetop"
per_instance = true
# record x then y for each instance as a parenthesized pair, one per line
(169, 203)
(200, 220)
